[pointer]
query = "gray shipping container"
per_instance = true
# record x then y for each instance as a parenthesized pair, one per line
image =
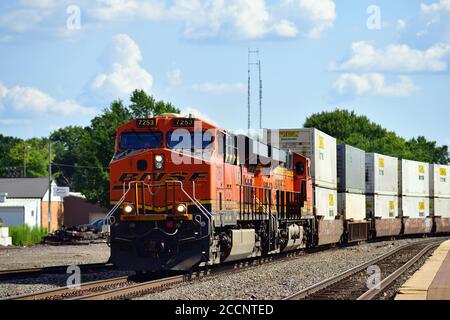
(351, 169)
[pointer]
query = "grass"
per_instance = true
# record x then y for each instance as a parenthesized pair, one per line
(23, 235)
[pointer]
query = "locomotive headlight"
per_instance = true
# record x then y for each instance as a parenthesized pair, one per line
(128, 209)
(159, 162)
(181, 208)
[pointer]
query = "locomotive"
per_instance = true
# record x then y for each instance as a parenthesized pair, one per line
(187, 193)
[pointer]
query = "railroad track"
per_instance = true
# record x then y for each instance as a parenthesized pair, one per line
(33, 272)
(353, 283)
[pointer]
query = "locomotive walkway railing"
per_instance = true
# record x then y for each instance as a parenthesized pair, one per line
(255, 202)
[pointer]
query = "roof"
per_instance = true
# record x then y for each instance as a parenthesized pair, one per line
(16, 203)
(24, 187)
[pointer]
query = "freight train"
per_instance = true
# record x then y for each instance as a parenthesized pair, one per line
(187, 193)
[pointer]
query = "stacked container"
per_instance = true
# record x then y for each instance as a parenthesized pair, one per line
(352, 191)
(320, 148)
(440, 196)
(414, 196)
(351, 182)
(382, 194)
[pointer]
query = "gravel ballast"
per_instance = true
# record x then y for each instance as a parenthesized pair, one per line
(278, 279)
(46, 256)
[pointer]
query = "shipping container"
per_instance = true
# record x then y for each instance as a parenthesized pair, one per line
(413, 178)
(351, 167)
(352, 206)
(382, 206)
(381, 174)
(414, 207)
(314, 144)
(325, 203)
(439, 181)
(440, 207)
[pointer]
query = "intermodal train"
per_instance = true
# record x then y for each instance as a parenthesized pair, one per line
(187, 193)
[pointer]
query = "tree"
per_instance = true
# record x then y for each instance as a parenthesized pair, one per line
(145, 106)
(359, 131)
(95, 150)
(65, 142)
(35, 152)
(6, 144)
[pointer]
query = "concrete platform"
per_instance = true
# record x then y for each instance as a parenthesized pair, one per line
(432, 281)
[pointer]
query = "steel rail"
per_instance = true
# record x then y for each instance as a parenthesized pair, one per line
(61, 293)
(132, 290)
(346, 274)
(30, 272)
(375, 291)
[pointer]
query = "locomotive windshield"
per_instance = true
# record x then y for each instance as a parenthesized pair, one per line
(141, 140)
(189, 140)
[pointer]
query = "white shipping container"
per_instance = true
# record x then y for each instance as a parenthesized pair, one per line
(414, 178)
(352, 206)
(325, 203)
(319, 147)
(382, 206)
(414, 207)
(440, 207)
(439, 181)
(381, 174)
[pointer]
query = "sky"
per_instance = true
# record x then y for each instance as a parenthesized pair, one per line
(62, 62)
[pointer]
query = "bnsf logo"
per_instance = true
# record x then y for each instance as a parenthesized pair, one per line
(161, 177)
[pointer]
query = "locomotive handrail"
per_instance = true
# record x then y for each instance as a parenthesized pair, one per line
(118, 204)
(199, 205)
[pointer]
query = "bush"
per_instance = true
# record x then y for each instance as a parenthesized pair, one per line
(23, 235)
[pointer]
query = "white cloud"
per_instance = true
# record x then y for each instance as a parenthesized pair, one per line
(401, 24)
(373, 84)
(123, 73)
(231, 19)
(113, 10)
(311, 16)
(395, 58)
(174, 77)
(39, 3)
(196, 113)
(32, 100)
(14, 122)
(442, 5)
(220, 88)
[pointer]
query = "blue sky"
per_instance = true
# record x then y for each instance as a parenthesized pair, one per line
(316, 55)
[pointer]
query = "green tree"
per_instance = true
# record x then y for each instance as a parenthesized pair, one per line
(359, 131)
(95, 150)
(145, 106)
(6, 144)
(35, 151)
(65, 141)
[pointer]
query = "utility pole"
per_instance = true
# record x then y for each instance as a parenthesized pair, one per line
(25, 150)
(49, 185)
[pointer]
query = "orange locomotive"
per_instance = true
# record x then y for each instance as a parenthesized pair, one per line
(187, 193)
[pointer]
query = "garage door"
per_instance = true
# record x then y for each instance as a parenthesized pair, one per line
(12, 216)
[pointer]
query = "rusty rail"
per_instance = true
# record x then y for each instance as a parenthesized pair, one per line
(139, 289)
(66, 292)
(374, 292)
(351, 272)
